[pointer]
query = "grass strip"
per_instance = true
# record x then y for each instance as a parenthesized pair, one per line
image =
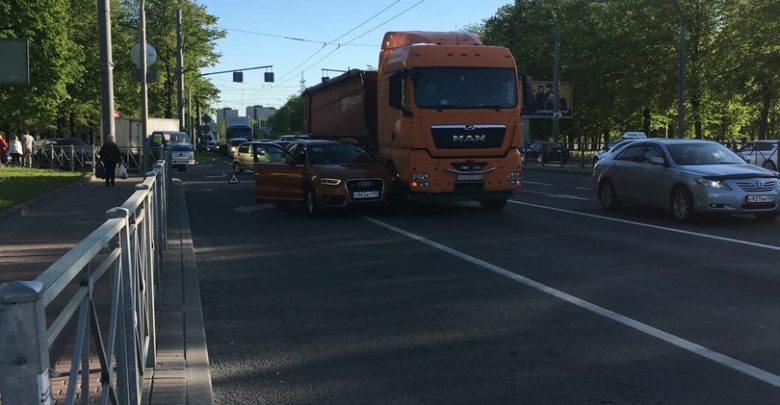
(21, 185)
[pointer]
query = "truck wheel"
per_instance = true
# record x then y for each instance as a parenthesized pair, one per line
(492, 205)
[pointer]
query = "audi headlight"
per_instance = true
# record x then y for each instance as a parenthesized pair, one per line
(330, 182)
(716, 184)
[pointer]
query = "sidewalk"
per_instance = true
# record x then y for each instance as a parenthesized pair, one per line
(36, 235)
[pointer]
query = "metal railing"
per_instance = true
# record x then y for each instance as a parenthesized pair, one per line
(84, 158)
(68, 157)
(120, 261)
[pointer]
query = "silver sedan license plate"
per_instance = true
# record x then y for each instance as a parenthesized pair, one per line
(469, 177)
(760, 198)
(360, 195)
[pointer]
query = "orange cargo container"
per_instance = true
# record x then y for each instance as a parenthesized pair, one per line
(442, 112)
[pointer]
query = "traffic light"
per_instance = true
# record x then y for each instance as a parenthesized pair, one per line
(238, 77)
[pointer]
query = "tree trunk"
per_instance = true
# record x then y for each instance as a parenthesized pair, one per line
(646, 120)
(766, 103)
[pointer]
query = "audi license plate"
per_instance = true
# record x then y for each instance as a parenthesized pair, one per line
(361, 195)
(469, 177)
(760, 198)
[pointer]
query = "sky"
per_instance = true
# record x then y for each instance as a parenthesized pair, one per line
(307, 36)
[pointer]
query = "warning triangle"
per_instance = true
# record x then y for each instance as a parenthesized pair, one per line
(233, 179)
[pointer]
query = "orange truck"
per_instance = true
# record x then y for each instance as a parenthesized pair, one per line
(442, 113)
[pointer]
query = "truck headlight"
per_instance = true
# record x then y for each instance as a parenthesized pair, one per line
(330, 182)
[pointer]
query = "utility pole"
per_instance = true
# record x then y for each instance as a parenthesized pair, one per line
(180, 68)
(556, 81)
(146, 163)
(107, 66)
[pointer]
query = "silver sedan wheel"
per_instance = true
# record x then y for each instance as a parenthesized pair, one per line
(682, 204)
(608, 196)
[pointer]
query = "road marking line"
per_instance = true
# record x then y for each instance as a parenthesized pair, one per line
(564, 196)
(584, 188)
(658, 227)
(694, 348)
(536, 183)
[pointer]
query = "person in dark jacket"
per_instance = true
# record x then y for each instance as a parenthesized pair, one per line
(110, 156)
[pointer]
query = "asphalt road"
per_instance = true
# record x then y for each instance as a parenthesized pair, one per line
(550, 301)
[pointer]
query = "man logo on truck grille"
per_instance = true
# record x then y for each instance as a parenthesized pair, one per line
(469, 138)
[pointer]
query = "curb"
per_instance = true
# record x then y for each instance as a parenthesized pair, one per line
(22, 208)
(199, 387)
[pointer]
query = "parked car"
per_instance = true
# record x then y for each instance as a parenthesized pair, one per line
(292, 137)
(687, 177)
(612, 147)
(761, 153)
(249, 153)
(530, 150)
(634, 135)
(322, 174)
(63, 152)
(553, 151)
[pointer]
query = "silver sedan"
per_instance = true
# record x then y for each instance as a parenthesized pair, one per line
(687, 177)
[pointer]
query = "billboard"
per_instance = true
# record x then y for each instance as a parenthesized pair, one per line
(15, 68)
(543, 102)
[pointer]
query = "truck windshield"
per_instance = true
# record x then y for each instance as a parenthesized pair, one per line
(462, 87)
(239, 131)
(177, 137)
(337, 153)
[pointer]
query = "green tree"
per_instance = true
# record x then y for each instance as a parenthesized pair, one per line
(53, 62)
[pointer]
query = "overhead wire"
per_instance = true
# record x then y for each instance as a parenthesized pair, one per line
(294, 69)
(289, 38)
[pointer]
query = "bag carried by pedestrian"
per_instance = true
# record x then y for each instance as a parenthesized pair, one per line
(121, 171)
(100, 170)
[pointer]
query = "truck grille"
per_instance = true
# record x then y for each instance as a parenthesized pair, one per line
(468, 136)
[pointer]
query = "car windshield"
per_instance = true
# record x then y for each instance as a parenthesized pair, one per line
(703, 154)
(458, 87)
(337, 153)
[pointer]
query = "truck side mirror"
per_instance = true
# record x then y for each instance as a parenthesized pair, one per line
(528, 94)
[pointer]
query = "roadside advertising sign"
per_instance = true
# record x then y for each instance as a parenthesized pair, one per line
(543, 102)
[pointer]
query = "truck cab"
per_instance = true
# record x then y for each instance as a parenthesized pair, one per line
(449, 116)
(180, 145)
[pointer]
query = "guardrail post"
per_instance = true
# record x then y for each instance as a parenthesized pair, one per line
(149, 266)
(127, 367)
(24, 347)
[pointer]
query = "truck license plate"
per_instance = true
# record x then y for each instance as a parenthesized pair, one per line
(358, 195)
(760, 198)
(469, 177)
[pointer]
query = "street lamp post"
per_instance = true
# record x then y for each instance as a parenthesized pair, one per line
(681, 75)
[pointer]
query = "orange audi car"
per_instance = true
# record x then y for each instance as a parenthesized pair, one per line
(322, 174)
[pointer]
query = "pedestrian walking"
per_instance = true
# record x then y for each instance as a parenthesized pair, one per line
(28, 143)
(3, 149)
(15, 150)
(110, 156)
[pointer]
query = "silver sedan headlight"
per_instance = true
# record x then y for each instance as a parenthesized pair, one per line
(716, 184)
